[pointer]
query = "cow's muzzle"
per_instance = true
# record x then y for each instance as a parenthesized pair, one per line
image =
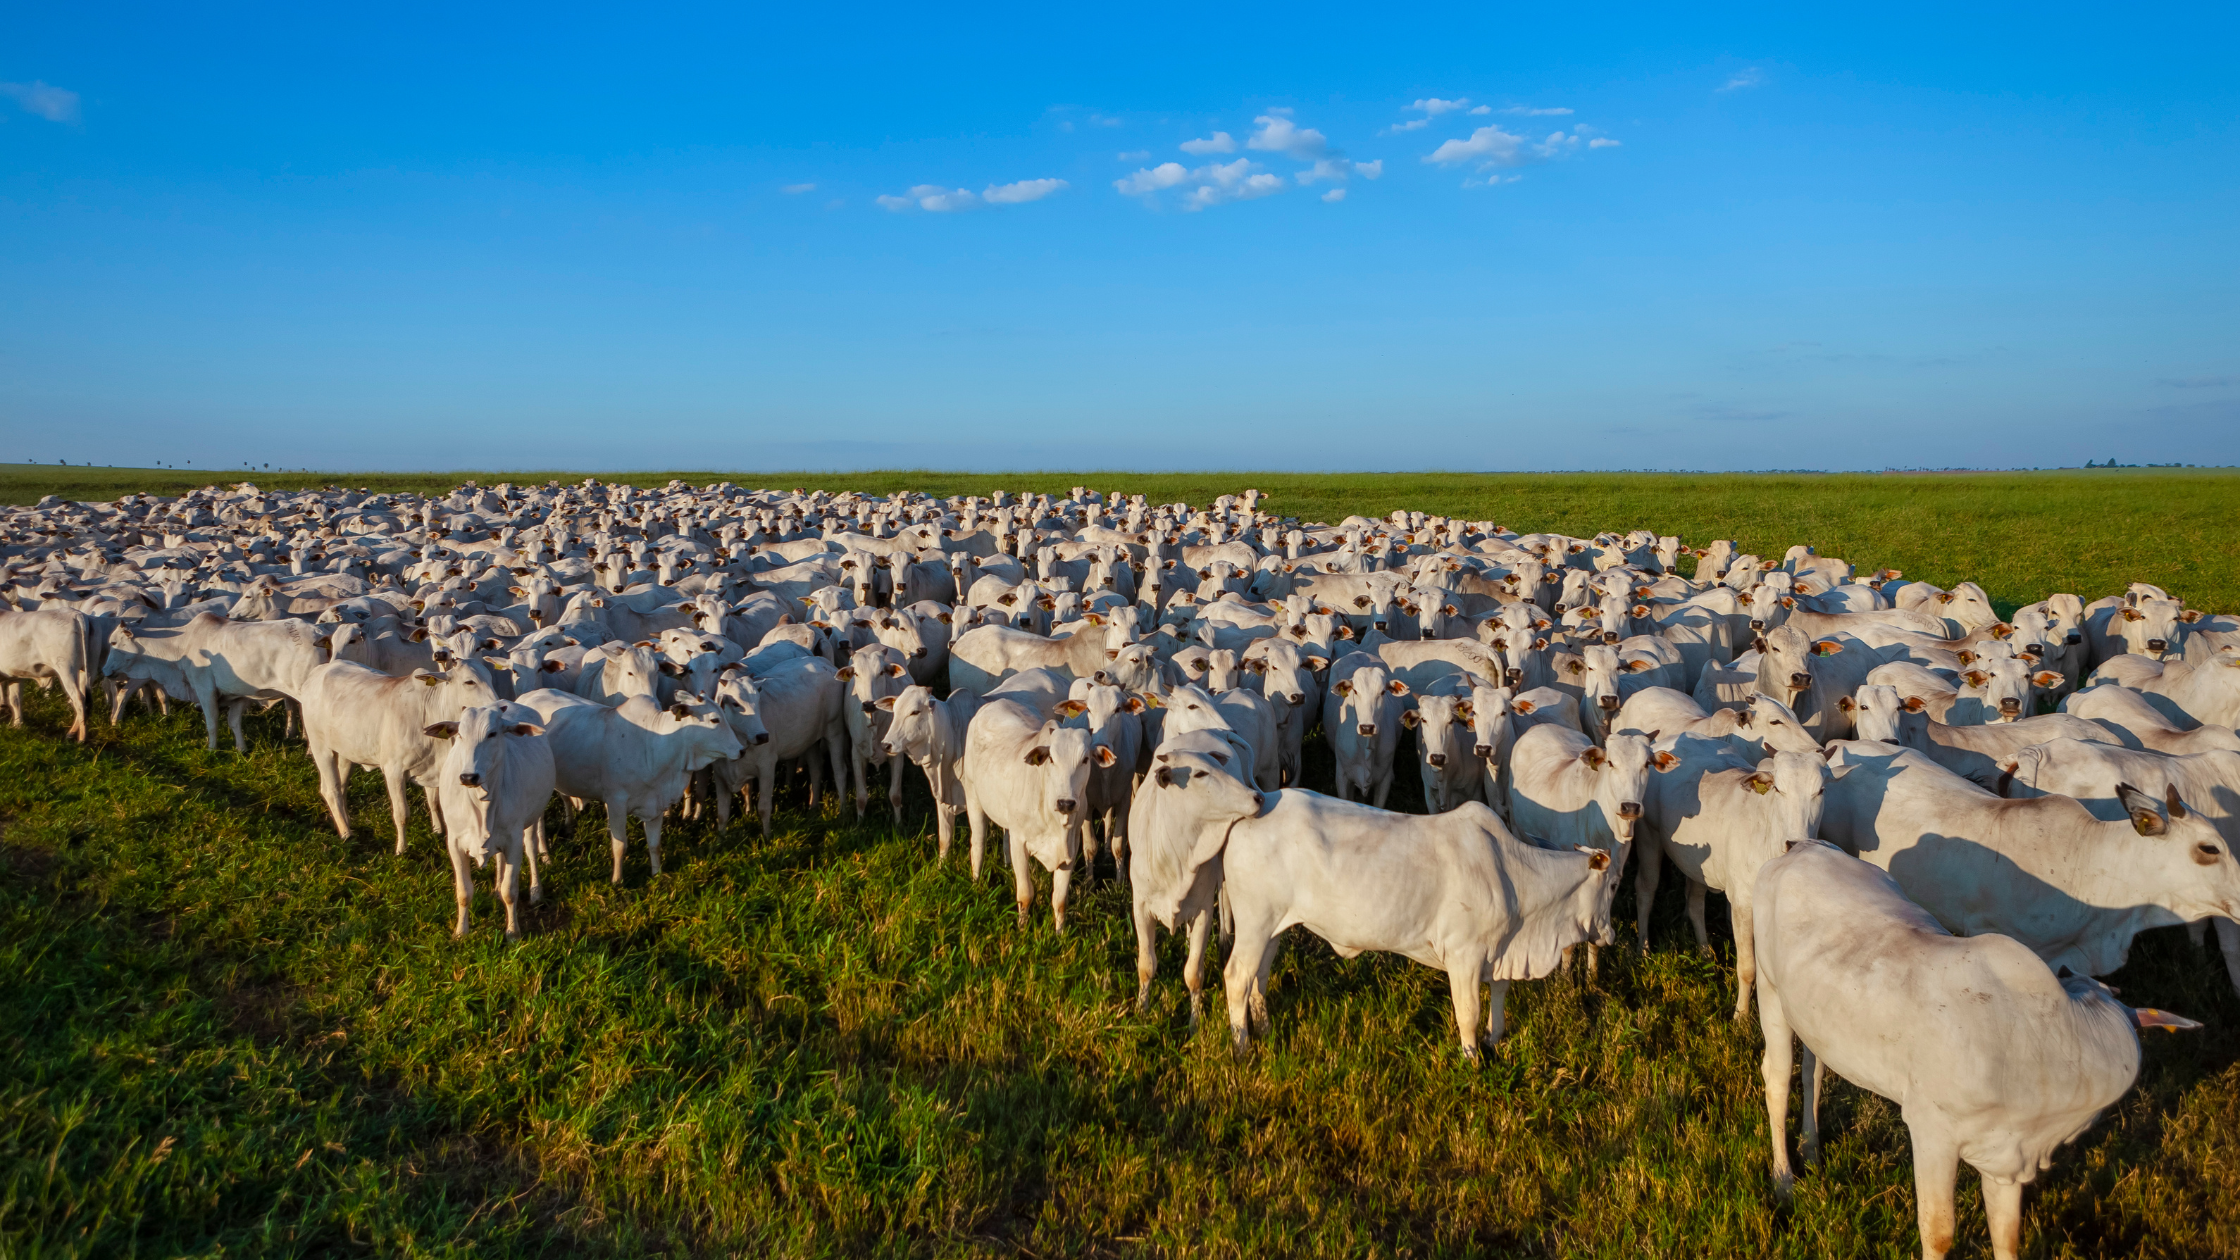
(1630, 810)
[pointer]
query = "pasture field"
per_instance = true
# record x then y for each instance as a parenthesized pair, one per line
(224, 1031)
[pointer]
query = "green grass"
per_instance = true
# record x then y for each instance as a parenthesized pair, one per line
(2022, 535)
(226, 1032)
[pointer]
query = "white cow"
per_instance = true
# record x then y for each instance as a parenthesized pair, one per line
(1717, 818)
(930, 732)
(636, 757)
(2135, 722)
(799, 703)
(49, 646)
(493, 785)
(1361, 716)
(2044, 871)
(1563, 790)
(1028, 775)
(1456, 891)
(1991, 1057)
(356, 716)
(1184, 805)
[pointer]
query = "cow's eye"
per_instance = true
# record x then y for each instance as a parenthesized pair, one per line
(2210, 850)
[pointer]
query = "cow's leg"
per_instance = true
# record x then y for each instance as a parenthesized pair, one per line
(462, 887)
(1194, 961)
(653, 839)
(332, 787)
(894, 788)
(618, 831)
(398, 809)
(1936, 1159)
(2002, 1203)
(206, 696)
(1116, 838)
(13, 692)
(507, 877)
(433, 795)
(1463, 986)
(1497, 1012)
(1147, 954)
(863, 788)
(837, 755)
(944, 828)
(234, 710)
(977, 818)
(1773, 1066)
(1646, 874)
(73, 689)
(1745, 950)
(1061, 882)
(1022, 873)
(1814, 1068)
(1240, 981)
(720, 787)
(1696, 892)
(532, 846)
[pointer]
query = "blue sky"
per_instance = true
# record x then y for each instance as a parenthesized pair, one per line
(1481, 237)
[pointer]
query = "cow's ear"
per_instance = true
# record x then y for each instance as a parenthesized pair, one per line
(2000, 630)
(1038, 755)
(1343, 687)
(1396, 687)
(1847, 704)
(1105, 756)
(897, 671)
(441, 730)
(1133, 704)
(1915, 704)
(1976, 677)
(419, 635)
(885, 702)
(1575, 667)
(1593, 757)
(525, 728)
(2147, 817)
(1664, 761)
(1166, 776)
(845, 671)
(1826, 647)
(1072, 708)
(1345, 632)
(672, 669)
(2133, 614)
(2190, 615)
(2047, 678)
(1410, 719)
(426, 679)
(1760, 783)
(1966, 657)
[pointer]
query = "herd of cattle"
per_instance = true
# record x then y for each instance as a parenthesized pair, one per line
(1933, 824)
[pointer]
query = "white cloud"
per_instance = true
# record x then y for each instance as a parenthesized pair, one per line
(1482, 109)
(1432, 106)
(1132, 155)
(1102, 121)
(1278, 134)
(1749, 78)
(943, 200)
(940, 200)
(1022, 192)
(1527, 111)
(1335, 194)
(1369, 170)
(1218, 142)
(1488, 146)
(1416, 124)
(794, 190)
(1145, 182)
(44, 99)
(1603, 142)
(1233, 182)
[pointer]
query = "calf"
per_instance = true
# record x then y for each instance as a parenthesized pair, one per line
(873, 674)
(1990, 1056)
(1563, 790)
(1191, 792)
